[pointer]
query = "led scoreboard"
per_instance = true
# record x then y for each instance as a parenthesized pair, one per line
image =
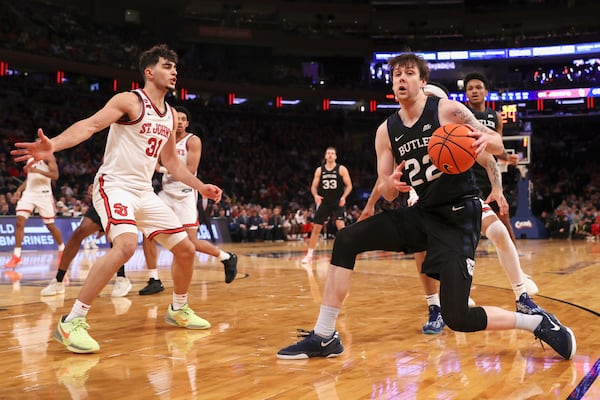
(510, 118)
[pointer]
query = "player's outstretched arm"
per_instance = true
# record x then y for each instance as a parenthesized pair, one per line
(123, 103)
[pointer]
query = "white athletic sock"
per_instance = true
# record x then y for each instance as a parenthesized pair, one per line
(224, 256)
(433, 299)
(79, 309)
(61, 247)
(153, 273)
(179, 300)
(519, 289)
(17, 251)
(527, 321)
(325, 325)
(309, 253)
(507, 255)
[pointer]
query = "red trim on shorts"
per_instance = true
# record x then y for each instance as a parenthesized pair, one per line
(111, 219)
(486, 207)
(191, 225)
(22, 210)
(166, 231)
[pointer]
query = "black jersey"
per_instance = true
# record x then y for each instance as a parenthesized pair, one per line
(488, 118)
(331, 185)
(410, 144)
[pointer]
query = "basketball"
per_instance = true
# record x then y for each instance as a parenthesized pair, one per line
(450, 149)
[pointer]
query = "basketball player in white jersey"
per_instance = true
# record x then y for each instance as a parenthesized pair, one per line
(141, 129)
(36, 193)
(182, 199)
(522, 285)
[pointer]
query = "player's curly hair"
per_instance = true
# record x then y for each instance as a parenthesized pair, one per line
(410, 59)
(151, 56)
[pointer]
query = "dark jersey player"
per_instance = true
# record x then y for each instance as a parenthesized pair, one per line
(330, 187)
(446, 222)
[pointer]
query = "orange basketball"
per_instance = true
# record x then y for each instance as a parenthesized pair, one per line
(450, 149)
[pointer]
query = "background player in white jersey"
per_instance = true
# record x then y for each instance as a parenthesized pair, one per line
(182, 200)
(36, 193)
(330, 187)
(141, 129)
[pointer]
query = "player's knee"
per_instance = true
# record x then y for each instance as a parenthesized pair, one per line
(455, 321)
(343, 241)
(469, 320)
(344, 253)
(125, 251)
(498, 234)
(125, 245)
(184, 249)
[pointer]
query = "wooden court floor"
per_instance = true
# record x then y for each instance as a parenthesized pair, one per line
(386, 357)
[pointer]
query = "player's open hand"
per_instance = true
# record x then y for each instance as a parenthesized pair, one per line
(498, 197)
(41, 149)
(395, 179)
(481, 140)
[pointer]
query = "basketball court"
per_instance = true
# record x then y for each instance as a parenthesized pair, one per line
(386, 355)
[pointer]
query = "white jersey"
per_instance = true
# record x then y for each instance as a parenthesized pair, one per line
(132, 147)
(36, 182)
(171, 186)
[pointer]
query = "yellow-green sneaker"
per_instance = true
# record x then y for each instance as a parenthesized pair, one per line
(74, 336)
(186, 318)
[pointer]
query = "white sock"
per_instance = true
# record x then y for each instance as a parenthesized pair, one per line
(61, 247)
(79, 310)
(309, 253)
(507, 255)
(224, 255)
(153, 273)
(527, 322)
(179, 300)
(518, 289)
(17, 251)
(325, 325)
(433, 299)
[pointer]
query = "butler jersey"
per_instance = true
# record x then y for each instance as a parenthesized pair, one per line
(36, 182)
(331, 185)
(169, 184)
(488, 118)
(410, 144)
(132, 147)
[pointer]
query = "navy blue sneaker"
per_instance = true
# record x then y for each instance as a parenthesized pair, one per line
(557, 336)
(436, 324)
(230, 266)
(312, 346)
(525, 305)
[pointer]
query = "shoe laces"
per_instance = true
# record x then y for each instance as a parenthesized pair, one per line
(185, 310)
(78, 324)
